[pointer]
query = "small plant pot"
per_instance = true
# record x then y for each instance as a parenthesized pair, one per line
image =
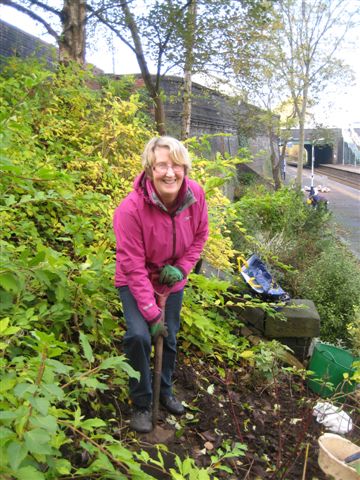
(333, 450)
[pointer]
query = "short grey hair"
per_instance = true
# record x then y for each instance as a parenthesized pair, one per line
(178, 153)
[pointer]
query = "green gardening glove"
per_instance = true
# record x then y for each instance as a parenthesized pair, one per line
(169, 275)
(158, 329)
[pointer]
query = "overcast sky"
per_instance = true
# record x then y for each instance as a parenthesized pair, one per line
(339, 107)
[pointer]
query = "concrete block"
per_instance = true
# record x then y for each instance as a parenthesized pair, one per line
(299, 346)
(254, 317)
(301, 322)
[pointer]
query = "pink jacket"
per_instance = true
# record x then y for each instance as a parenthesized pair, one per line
(149, 237)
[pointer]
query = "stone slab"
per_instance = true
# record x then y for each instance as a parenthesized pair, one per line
(254, 317)
(303, 321)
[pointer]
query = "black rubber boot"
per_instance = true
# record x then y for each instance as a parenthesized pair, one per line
(141, 420)
(172, 404)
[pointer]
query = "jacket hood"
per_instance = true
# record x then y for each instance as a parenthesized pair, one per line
(145, 187)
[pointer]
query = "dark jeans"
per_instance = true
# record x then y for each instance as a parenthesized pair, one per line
(137, 346)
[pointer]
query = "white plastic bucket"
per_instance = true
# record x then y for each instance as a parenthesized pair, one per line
(333, 450)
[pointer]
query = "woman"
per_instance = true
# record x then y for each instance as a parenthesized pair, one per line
(161, 228)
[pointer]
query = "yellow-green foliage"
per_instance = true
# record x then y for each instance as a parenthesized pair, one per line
(213, 174)
(69, 154)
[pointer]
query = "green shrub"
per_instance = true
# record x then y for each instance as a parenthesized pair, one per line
(303, 255)
(69, 155)
(332, 282)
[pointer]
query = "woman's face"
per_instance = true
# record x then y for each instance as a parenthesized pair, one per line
(167, 181)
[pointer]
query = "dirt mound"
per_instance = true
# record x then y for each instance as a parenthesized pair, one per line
(273, 419)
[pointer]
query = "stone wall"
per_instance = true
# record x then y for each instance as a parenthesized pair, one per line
(330, 149)
(16, 42)
(214, 113)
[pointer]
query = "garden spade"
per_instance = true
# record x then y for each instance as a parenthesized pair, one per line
(161, 301)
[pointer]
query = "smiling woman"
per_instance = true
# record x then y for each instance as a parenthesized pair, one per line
(161, 229)
(166, 162)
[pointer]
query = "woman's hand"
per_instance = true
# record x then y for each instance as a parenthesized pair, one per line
(158, 329)
(169, 275)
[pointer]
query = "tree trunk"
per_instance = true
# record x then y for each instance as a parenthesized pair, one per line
(72, 40)
(275, 158)
(282, 160)
(153, 90)
(301, 117)
(159, 115)
(300, 152)
(189, 61)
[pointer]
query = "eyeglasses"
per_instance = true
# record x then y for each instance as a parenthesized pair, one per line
(164, 167)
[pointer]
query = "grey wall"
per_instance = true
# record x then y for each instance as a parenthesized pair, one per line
(333, 139)
(16, 42)
(212, 113)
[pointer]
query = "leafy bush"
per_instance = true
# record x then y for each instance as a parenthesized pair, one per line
(281, 211)
(69, 155)
(302, 253)
(332, 282)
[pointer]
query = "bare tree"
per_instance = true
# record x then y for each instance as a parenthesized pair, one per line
(188, 69)
(305, 48)
(151, 35)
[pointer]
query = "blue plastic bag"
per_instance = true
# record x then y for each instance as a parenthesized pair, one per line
(258, 278)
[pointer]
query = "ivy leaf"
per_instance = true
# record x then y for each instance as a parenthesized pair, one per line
(86, 347)
(16, 452)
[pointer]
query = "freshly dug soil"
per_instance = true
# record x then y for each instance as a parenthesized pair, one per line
(273, 418)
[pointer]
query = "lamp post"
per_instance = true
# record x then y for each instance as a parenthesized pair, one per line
(312, 190)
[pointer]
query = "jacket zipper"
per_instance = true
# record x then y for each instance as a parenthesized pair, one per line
(174, 235)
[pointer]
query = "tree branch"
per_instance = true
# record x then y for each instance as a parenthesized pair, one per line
(34, 16)
(46, 7)
(107, 23)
